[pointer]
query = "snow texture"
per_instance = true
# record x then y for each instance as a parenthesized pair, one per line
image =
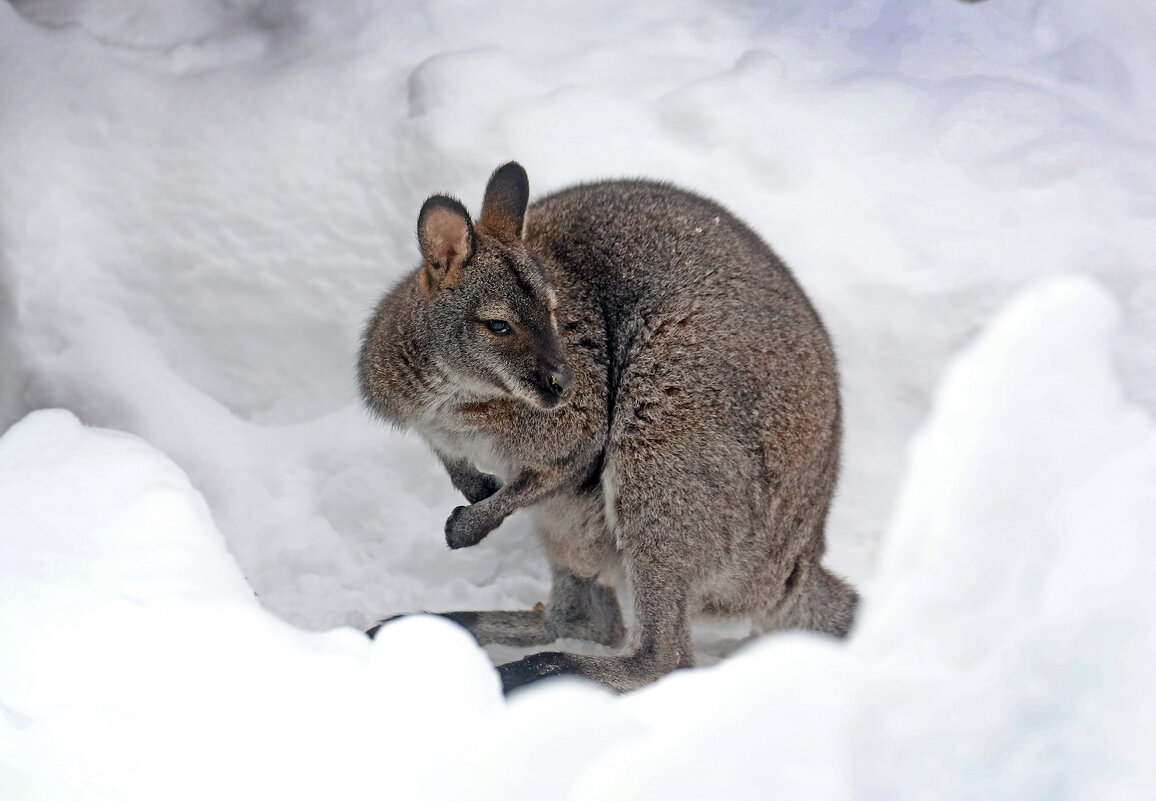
(200, 202)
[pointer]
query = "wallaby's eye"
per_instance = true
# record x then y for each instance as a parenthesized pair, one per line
(500, 327)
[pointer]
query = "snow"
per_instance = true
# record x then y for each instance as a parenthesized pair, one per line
(145, 668)
(200, 202)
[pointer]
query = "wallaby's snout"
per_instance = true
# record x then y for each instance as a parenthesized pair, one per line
(546, 373)
(553, 371)
(554, 380)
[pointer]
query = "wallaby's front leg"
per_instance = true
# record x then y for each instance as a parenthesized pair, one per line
(471, 482)
(663, 645)
(469, 525)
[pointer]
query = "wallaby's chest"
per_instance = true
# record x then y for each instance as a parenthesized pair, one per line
(480, 448)
(499, 436)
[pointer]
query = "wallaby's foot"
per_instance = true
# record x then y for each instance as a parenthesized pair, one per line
(619, 673)
(507, 628)
(468, 526)
(537, 667)
(663, 645)
(579, 608)
(521, 629)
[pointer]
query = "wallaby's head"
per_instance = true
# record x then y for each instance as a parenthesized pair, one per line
(491, 322)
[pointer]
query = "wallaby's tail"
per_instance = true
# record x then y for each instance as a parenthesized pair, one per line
(820, 601)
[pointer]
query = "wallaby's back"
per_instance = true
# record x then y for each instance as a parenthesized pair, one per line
(721, 375)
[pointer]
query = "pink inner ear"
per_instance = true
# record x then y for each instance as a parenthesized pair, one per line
(444, 251)
(448, 236)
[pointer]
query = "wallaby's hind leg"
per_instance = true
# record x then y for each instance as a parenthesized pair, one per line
(579, 608)
(816, 599)
(660, 547)
(663, 642)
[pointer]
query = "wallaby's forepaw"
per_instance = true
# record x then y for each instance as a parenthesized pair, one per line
(536, 667)
(466, 527)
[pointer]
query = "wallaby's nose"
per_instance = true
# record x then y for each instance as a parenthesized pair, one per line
(556, 378)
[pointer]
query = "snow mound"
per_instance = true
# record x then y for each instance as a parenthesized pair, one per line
(200, 202)
(1005, 651)
(1013, 607)
(137, 663)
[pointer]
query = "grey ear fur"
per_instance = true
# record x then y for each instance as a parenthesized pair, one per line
(445, 236)
(503, 214)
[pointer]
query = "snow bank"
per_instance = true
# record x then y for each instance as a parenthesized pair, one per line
(137, 663)
(199, 203)
(1014, 602)
(1006, 650)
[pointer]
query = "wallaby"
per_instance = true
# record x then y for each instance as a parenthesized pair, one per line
(633, 364)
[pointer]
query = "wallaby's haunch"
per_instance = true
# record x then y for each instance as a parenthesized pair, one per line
(636, 366)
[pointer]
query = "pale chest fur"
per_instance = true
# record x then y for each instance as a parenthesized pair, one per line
(573, 531)
(464, 429)
(572, 525)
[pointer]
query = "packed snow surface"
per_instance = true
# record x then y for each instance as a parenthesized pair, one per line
(200, 202)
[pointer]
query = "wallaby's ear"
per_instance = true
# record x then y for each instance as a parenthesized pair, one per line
(446, 238)
(504, 206)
